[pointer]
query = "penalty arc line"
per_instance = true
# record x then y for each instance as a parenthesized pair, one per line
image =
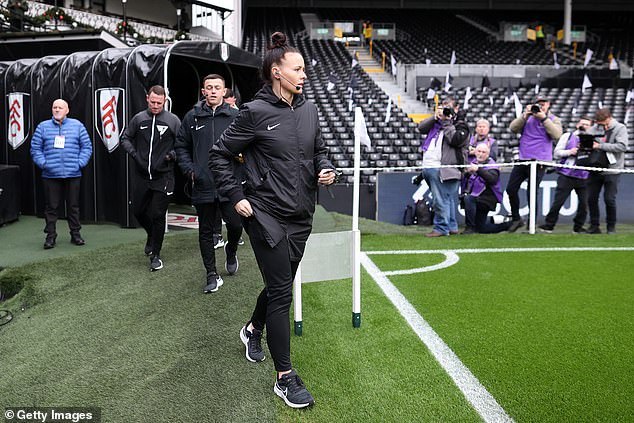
(477, 395)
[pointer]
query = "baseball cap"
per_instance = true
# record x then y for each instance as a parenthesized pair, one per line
(539, 98)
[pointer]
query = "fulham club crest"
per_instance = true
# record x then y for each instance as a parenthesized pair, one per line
(18, 118)
(110, 116)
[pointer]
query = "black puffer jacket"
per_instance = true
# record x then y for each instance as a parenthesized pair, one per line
(283, 153)
(201, 127)
(149, 139)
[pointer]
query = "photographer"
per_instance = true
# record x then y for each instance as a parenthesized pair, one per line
(481, 193)
(482, 136)
(445, 144)
(569, 179)
(612, 147)
(539, 129)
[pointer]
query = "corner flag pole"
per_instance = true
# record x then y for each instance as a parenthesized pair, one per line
(356, 238)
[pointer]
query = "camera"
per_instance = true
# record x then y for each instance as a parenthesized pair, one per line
(448, 112)
(536, 108)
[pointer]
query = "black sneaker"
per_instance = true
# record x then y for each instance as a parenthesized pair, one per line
(148, 247)
(546, 228)
(214, 281)
(516, 224)
(218, 242)
(593, 230)
(155, 263)
(50, 242)
(231, 265)
(580, 230)
(468, 231)
(252, 341)
(292, 390)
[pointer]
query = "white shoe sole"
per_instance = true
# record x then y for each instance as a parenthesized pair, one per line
(152, 269)
(218, 285)
(245, 341)
(280, 394)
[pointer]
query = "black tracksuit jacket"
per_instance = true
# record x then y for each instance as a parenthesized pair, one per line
(283, 154)
(148, 139)
(201, 127)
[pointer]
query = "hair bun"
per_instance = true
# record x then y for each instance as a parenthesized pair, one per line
(278, 40)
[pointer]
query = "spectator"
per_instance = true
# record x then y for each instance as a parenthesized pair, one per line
(61, 147)
(482, 135)
(539, 129)
(201, 127)
(149, 140)
(481, 193)
(569, 179)
(445, 144)
(612, 146)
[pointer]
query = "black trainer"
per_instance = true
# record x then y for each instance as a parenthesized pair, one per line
(546, 228)
(516, 224)
(77, 239)
(252, 341)
(593, 230)
(155, 263)
(579, 230)
(218, 242)
(214, 281)
(292, 390)
(231, 265)
(50, 242)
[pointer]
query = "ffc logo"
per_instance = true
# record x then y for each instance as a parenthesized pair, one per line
(18, 124)
(109, 111)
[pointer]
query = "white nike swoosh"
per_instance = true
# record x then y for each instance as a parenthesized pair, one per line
(169, 193)
(143, 127)
(199, 127)
(269, 127)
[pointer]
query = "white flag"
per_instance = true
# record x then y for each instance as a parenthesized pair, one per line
(518, 106)
(388, 110)
(614, 64)
(555, 62)
(354, 62)
(15, 134)
(600, 104)
(350, 104)
(428, 61)
(313, 62)
(467, 97)
(629, 96)
(539, 77)
(453, 58)
(627, 115)
(491, 100)
(586, 83)
(393, 62)
(588, 57)
(448, 80)
(494, 119)
(360, 129)
(431, 93)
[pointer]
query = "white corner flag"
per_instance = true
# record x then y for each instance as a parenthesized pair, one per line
(360, 128)
(588, 57)
(586, 83)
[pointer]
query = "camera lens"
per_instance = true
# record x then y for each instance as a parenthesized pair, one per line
(447, 111)
(535, 108)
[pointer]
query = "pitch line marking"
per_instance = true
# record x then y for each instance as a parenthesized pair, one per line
(477, 395)
(451, 258)
(499, 250)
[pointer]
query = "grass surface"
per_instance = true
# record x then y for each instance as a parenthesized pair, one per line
(548, 334)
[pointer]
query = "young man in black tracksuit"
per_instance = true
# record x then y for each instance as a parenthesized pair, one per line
(284, 159)
(201, 127)
(149, 140)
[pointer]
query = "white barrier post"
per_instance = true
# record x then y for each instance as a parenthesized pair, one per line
(532, 198)
(356, 238)
(297, 301)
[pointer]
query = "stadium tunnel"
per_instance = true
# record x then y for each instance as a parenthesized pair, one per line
(104, 90)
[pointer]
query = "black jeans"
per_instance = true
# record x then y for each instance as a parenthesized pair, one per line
(565, 185)
(518, 175)
(476, 217)
(56, 190)
(208, 214)
(274, 302)
(149, 206)
(609, 182)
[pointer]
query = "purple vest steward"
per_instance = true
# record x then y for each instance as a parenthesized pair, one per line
(475, 185)
(573, 141)
(535, 144)
(473, 142)
(433, 133)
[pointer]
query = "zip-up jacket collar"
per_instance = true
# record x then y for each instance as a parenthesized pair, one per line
(267, 94)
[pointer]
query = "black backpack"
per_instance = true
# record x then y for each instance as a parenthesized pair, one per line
(409, 216)
(424, 213)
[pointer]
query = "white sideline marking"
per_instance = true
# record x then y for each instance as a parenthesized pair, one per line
(451, 258)
(500, 250)
(473, 390)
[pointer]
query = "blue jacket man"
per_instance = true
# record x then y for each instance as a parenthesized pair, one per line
(61, 147)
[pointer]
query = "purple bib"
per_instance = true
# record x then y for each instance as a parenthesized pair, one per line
(573, 141)
(535, 144)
